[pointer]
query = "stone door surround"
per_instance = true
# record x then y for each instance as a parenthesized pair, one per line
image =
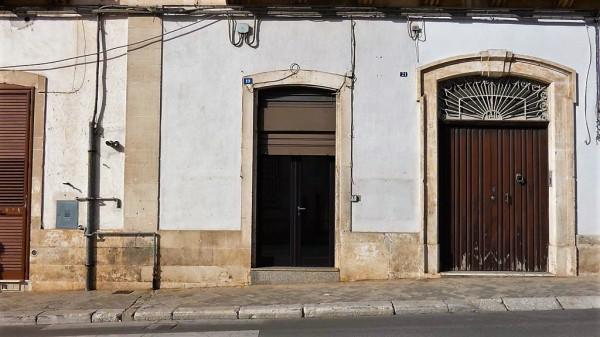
(561, 80)
(341, 84)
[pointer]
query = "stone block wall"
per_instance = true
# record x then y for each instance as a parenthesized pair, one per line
(588, 251)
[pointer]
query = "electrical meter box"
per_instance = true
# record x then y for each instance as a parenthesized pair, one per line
(67, 214)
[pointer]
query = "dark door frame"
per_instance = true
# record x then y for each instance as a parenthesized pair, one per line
(255, 154)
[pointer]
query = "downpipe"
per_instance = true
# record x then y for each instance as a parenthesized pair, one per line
(92, 206)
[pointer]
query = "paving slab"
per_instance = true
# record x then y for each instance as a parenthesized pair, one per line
(531, 303)
(65, 316)
(153, 313)
(18, 317)
(579, 302)
(206, 312)
(419, 306)
(348, 309)
(274, 311)
(107, 315)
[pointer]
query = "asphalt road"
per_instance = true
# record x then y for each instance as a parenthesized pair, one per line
(568, 323)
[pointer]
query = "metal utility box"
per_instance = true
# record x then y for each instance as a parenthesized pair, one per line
(67, 214)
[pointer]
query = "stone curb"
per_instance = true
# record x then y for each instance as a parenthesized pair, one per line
(274, 311)
(19, 317)
(66, 316)
(107, 315)
(296, 311)
(348, 309)
(531, 303)
(419, 307)
(198, 313)
(579, 302)
(153, 313)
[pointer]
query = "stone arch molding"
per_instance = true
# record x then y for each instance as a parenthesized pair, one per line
(38, 83)
(562, 256)
(342, 85)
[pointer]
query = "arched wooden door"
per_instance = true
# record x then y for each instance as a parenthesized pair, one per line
(493, 155)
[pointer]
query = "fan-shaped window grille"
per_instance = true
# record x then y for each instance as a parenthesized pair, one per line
(503, 99)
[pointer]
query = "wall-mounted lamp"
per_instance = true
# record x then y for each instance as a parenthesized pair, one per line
(115, 144)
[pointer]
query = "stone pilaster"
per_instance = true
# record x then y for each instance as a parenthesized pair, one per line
(142, 140)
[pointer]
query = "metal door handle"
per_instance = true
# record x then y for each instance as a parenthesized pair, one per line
(507, 198)
(493, 195)
(301, 209)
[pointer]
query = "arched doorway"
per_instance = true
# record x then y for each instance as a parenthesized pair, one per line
(560, 88)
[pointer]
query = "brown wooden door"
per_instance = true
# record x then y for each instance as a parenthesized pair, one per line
(15, 108)
(493, 198)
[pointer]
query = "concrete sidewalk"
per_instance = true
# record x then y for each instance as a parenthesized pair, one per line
(372, 298)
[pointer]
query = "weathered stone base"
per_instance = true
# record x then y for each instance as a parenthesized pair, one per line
(190, 259)
(562, 260)
(380, 256)
(588, 251)
(293, 275)
(187, 259)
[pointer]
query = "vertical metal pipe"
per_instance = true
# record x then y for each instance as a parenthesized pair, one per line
(93, 178)
(92, 209)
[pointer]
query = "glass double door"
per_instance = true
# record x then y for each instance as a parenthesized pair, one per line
(295, 211)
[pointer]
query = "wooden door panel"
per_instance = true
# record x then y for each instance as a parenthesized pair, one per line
(488, 220)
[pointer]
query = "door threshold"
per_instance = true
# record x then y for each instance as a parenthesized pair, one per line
(297, 269)
(494, 274)
(292, 275)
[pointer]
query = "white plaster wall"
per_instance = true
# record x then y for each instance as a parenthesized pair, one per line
(69, 106)
(201, 113)
(565, 44)
(200, 183)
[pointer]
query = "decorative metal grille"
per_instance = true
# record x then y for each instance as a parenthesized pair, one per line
(484, 98)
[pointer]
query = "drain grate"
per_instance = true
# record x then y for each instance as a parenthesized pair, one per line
(122, 292)
(11, 286)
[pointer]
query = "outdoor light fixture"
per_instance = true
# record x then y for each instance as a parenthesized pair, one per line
(243, 28)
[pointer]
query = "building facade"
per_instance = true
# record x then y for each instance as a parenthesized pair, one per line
(218, 147)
